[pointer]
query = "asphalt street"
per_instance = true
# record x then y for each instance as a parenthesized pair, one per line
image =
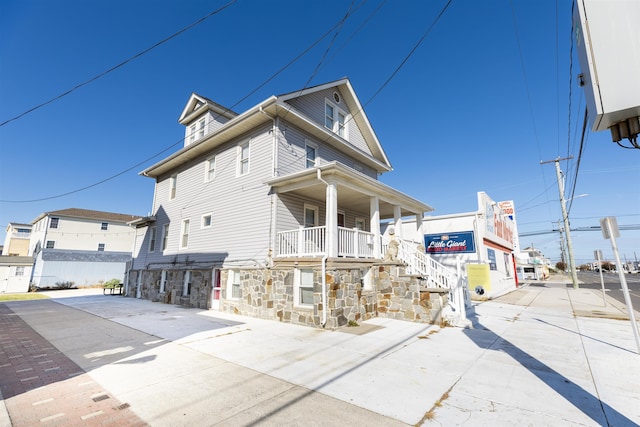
(612, 286)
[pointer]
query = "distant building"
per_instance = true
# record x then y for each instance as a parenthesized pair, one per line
(532, 265)
(15, 265)
(81, 246)
(16, 241)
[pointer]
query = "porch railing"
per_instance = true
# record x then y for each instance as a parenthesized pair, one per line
(311, 241)
(356, 243)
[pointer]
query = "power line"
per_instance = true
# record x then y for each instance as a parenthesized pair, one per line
(126, 61)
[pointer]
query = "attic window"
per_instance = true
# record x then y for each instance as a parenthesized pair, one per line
(336, 97)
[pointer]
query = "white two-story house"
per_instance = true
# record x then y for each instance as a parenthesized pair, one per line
(274, 212)
(81, 246)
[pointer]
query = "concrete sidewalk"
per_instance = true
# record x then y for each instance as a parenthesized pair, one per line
(531, 358)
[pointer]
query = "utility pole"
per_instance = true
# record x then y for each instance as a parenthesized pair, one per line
(565, 217)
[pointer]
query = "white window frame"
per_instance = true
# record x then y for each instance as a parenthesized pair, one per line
(163, 281)
(54, 223)
(309, 162)
(335, 120)
(53, 244)
(165, 236)
(104, 226)
(300, 277)
(308, 207)
(184, 234)
(19, 270)
(361, 224)
(233, 281)
(210, 169)
(243, 161)
(173, 185)
(202, 220)
(100, 247)
(186, 284)
(152, 240)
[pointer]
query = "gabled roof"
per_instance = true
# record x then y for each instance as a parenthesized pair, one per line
(355, 108)
(87, 214)
(265, 111)
(198, 105)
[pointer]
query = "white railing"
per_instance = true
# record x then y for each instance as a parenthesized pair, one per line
(419, 263)
(355, 243)
(312, 242)
(302, 242)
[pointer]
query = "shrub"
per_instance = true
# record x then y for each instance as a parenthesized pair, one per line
(111, 283)
(65, 285)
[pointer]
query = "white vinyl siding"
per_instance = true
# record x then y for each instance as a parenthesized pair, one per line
(313, 106)
(292, 157)
(240, 207)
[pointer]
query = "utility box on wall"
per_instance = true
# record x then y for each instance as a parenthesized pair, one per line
(608, 44)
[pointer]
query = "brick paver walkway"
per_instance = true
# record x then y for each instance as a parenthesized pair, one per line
(43, 387)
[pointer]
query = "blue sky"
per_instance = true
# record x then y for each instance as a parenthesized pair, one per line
(479, 103)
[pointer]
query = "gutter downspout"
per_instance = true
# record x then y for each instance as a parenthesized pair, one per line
(324, 268)
(274, 163)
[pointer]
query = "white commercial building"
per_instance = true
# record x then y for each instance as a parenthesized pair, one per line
(482, 243)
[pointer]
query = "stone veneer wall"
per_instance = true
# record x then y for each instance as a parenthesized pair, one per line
(268, 294)
(199, 296)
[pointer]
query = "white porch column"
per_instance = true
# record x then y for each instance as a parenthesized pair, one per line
(374, 212)
(418, 230)
(332, 219)
(397, 221)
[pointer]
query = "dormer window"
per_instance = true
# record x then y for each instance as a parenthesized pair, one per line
(335, 119)
(196, 131)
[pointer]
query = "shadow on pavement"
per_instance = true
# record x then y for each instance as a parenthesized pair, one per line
(584, 401)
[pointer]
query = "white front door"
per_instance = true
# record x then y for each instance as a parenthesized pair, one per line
(215, 290)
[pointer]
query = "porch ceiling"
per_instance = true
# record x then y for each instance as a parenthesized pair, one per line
(354, 190)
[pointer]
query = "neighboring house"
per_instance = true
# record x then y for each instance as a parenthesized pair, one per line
(15, 265)
(482, 242)
(532, 265)
(275, 213)
(81, 246)
(16, 241)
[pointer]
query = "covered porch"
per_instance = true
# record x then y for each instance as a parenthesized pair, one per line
(341, 188)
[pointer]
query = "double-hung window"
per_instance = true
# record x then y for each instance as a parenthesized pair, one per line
(104, 226)
(54, 222)
(152, 239)
(173, 184)
(184, 238)
(311, 154)
(165, 236)
(233, 288)
(335, 119)
(210, 169)
(50, 244)
(100, 247)
(243, 158)
(304, 287)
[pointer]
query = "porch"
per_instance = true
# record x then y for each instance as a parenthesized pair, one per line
(312, 241)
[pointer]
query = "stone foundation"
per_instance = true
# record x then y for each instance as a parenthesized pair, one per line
(269, 293)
